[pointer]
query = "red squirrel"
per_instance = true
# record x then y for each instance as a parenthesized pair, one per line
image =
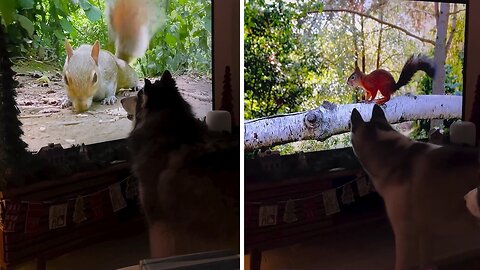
(383, 81)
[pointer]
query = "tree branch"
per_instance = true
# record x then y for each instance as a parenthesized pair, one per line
(456, 11)
(390, 57)
(355, 38)
(408, 33)
(330, 119)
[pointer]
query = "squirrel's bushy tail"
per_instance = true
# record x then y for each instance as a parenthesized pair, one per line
(131, 24)
(414, 64)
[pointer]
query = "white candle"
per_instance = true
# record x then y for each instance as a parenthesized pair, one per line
(219, 121)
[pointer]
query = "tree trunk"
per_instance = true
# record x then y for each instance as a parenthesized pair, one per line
(379, 44)
(358, 94)
(440, 55)
(355, 39)
(440, 49)
(362, 23)
(331, 119)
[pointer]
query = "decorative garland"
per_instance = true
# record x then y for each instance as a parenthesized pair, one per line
(58, 209)
(268, 211)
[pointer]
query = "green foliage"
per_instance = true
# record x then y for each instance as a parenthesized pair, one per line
(286, 40)
(279, 61)
(7, 9)
(44, 25)
(453, 86)
(87, 31)
(184, 43)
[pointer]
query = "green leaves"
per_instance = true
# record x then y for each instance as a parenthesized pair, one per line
(66, 25)
(7, 9)
(61, 7)
(92, 12)
(26, 4)
(25, 23)
(208, 24)
(39, 27)
(171, 40)
(184, 42)
(278, 69)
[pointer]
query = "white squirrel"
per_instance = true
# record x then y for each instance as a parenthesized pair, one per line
(92, 74)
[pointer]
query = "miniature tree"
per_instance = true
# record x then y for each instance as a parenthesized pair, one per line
(475, 116)
(227, 97)
(13, 151)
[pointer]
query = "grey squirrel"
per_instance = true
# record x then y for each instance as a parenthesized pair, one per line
(92, 74)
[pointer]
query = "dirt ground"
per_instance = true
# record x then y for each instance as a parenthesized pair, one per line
(44, 121)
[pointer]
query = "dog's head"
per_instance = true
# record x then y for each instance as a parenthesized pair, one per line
(161, 95)
(367, 137)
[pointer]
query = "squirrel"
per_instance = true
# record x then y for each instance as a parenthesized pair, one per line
(92, 74)
(383, 81)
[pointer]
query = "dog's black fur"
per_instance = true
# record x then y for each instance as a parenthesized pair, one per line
(188, 178)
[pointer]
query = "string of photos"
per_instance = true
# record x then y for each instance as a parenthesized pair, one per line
(329, 199)
(85, 207)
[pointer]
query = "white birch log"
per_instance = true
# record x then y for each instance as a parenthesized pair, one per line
(331, 119)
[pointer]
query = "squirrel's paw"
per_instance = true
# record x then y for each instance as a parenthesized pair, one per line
(109, 100)
(66, 103)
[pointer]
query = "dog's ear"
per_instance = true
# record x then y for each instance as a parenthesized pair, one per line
(148, 88)
(141, 101)
(166, 76)
(378, 116)
(147, 82)
(167, 80)
(355, 119)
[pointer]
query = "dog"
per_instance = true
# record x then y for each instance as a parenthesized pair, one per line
(189, 179)
(423, 186)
